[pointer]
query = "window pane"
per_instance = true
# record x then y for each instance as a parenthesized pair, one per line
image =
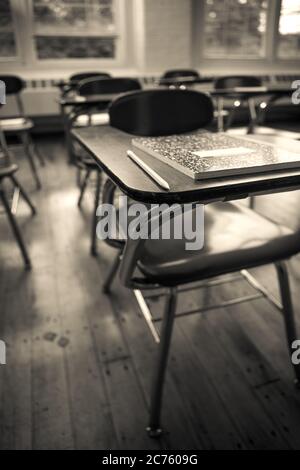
(5, 14)
(59, 47)
(72, 14)
(74, 28)
(7, 45)
(289, 29)
(7, 37)
(235, 28)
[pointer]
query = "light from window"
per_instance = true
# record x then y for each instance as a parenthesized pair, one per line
(289, 30)
(235, 28)
(7, 36)
(74, 28)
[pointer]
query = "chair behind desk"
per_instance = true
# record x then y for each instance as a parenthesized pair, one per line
(171, 77)
(90, 87)
(229, 83)
(161, 112)
(21, 125)
(98, 86)
(78, 77)
(237, 81)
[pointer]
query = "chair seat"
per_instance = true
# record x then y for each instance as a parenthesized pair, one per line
(235, 238)
(94, 120)
(8, 170)
(16, 124)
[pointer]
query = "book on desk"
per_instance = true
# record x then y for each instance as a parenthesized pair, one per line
(203, 155)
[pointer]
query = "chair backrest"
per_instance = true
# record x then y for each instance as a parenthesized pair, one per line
(189, 73)
(78, 77)
(161, 112)
(229, 82)
(13, 87)
(98, 86)
(13, 84)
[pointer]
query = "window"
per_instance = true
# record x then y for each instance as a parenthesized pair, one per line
(7, 36)
(289, 30)
(235, 28)
(74, 29)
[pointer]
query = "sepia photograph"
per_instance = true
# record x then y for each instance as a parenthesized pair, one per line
(149, 228)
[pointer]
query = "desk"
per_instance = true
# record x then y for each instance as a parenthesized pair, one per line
(275, 92)
(248, 94)
(74, 101)
(108, 147)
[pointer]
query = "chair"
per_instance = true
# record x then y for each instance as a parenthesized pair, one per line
(172, 77)
(78, 77)
(92, 86)
(94, 115)
(21, 125)
(7, 171)
(161, 112)
(238, 81)
(232, 242)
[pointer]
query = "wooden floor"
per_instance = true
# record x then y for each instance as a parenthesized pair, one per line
(79, 364)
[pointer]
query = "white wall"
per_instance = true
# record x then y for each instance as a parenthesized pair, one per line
(167, 34)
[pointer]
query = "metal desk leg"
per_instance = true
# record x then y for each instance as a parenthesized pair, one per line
(154, 429)
(31, 158)
(68, 139)
(94, 221)
(220, 105)
(288, 312)
(253, 116)
(15, 229)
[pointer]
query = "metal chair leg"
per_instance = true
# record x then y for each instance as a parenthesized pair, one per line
(230, 120)
(252, 202)
(288, 312)
(23, 194)
(15, 229)
(111, 275)
(154, 429)
(220, 105)
(83, 188)
(253, 116)
(36, 151)
(94, 220)
(30, 157)
(78, 176)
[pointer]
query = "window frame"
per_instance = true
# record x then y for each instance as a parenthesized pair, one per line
(22, 10)
(237, 56)
(271, 60)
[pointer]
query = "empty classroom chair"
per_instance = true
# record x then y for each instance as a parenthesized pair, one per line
(21, 125)
(78, 77)
(8, 172)
(173, 77)
(237, 81)
(94, 115)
